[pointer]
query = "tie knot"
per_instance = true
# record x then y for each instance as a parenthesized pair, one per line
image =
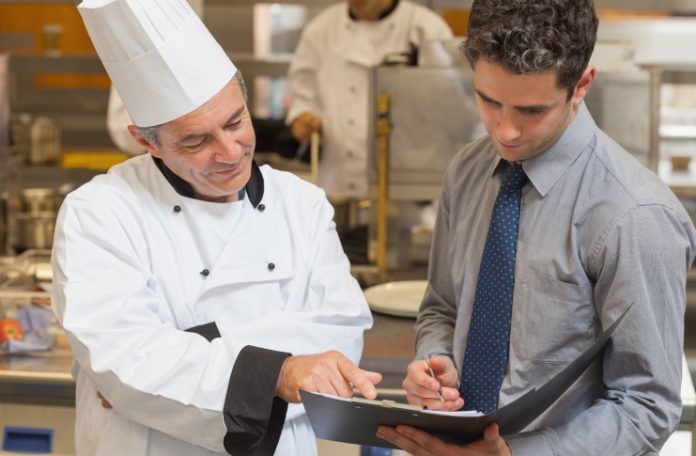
(515, 178)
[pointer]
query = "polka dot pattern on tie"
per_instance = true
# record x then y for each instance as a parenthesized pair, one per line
(487, 344)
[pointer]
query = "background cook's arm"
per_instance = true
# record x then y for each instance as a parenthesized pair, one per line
(303, 76)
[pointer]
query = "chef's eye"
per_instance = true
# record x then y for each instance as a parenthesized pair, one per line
(194, 146)
(234, 124)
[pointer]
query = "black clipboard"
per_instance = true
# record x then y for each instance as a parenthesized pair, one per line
(356, 420)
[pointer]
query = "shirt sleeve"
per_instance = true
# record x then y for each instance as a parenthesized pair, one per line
(642, 258)
(438, 311)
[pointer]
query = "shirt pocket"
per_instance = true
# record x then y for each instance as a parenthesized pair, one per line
(552, 321)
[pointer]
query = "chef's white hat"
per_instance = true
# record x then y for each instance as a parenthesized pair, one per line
(162, 60)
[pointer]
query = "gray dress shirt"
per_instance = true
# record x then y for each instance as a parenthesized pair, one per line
(598, 231)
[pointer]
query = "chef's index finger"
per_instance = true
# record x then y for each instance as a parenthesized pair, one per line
(362, 380)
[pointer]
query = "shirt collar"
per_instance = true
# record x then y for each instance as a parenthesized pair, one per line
(545, 169)
(254, 188)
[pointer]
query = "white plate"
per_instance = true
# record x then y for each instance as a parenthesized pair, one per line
(397, 298)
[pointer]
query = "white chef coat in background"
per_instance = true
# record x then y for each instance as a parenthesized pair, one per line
(128, 255)
(117, 121)
(329, 77)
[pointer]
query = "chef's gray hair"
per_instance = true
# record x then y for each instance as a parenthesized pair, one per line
(533, 36)
(151, 134)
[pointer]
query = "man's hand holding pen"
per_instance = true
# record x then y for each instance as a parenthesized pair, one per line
(436, 391)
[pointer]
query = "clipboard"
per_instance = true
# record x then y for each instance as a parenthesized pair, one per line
(355, 420)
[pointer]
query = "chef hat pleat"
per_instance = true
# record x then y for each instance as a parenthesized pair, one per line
(160, 57)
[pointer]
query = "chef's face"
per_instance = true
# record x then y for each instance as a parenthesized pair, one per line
(212, 147)
(524, 114)
(368, 10)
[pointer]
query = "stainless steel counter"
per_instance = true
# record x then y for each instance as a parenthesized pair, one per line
(44, 378)
(37, 378)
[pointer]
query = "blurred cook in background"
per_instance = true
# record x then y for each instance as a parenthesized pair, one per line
(117, 117)
(198, 291)
(329, 79)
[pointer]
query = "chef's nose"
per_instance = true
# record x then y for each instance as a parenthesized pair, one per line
(229, 149)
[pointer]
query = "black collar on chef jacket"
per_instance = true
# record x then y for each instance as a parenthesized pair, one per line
(254, 188)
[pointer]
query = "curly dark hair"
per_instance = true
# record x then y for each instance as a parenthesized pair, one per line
(532, 36)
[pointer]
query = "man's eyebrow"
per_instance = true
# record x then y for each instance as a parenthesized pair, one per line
(539, 107)
(194, 136)
(484, 96)
(236, 114)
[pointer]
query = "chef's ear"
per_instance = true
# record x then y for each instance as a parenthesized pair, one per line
(142, 140)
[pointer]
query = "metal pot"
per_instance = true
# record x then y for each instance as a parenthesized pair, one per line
(34, 230)
(34, 200)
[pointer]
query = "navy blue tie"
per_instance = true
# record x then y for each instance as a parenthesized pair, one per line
(487, 345)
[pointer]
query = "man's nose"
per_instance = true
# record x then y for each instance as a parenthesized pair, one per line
(506, 128)
(229, 150)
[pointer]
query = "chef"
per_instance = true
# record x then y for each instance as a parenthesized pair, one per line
(199, 292)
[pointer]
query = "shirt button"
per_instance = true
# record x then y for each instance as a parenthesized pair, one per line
(177, 208)
(205, 272)
(271, 266)
(349, 154)
(351, 185)
(352, 89)
(351, 122)
(262, 207)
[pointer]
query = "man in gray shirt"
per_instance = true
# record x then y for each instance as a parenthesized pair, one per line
(597, 233)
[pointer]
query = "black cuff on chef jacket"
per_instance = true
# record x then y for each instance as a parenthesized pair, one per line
(254, 416)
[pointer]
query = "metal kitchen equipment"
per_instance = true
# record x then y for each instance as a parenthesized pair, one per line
(34, 230)
(4, 100)
(45, 141)
(35, 200)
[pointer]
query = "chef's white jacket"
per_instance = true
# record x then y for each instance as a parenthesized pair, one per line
(137, 262)
(329, 77)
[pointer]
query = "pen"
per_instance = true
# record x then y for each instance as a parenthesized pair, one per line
(432, 374)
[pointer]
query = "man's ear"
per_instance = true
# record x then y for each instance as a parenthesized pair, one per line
(583, 85)
(141, 140)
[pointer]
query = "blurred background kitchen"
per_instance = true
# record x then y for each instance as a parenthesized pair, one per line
(53, 137)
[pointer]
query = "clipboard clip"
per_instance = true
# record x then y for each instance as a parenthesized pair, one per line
(388, 403)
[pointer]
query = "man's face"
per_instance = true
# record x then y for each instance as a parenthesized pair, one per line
(524, 114)
(212, 147)
(368, 10)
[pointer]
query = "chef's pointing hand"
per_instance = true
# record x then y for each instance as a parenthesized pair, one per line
(329, 372)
